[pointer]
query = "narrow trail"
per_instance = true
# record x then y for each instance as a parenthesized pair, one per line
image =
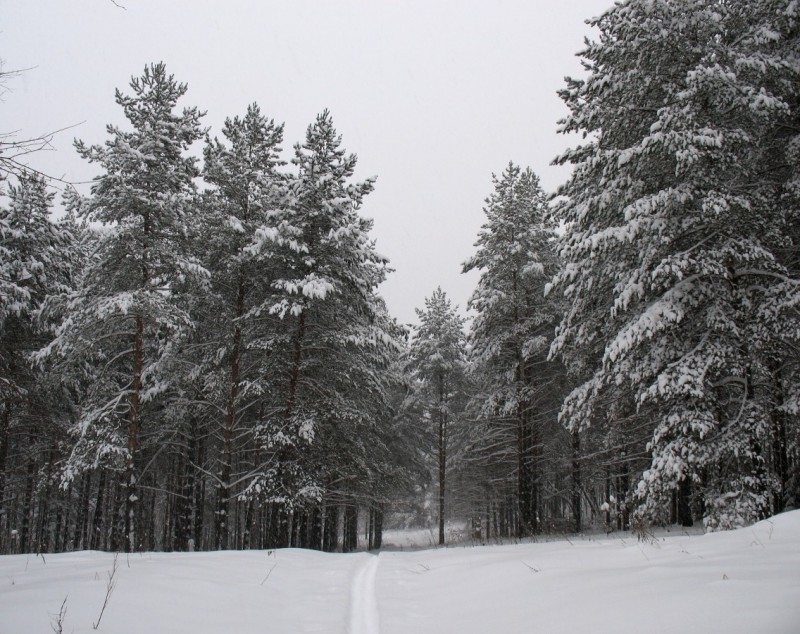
(364, 617)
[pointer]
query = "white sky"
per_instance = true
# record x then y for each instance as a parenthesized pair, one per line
(432, 95)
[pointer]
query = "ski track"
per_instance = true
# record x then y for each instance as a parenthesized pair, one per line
(364, 617)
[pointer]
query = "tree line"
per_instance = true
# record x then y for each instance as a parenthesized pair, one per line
(189, 368)
(639, 365)
(196, 355)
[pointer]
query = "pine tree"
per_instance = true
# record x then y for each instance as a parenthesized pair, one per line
(437, 361)
(35, 259)
(330, 338)
(681, 309)
(125, 319)
(511, 333)
(248, 188)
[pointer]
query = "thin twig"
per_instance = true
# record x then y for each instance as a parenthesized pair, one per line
(110, 585)
(264, 580)
(58, 619)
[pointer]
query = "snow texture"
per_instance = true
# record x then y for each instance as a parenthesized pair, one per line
(739, 581)
(364, 617)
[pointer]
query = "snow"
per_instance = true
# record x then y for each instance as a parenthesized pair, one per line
(364, 616)
(746, 580)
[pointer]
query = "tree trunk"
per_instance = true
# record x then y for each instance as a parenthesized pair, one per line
(377, 533)
(576, 481)
(524, 480)
(370, 528)
(316, 529)
(160, 515)
(80, 537)
(117, 537)
(684, 502)
(780, 454)
(442, 456)
(608, 499)
(623, 519)
(278, 530)
(133, 438)
(61, 519)
(248, 525)
(524, 483)
(331, 530)
(350, 532)
(223, 493)
(5, 440)
(198, 496)
(527, 480)
(27, 507)
(294, 373)
(185, 502)
(96, 538)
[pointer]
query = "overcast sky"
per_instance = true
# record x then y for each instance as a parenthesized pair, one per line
(432, 95)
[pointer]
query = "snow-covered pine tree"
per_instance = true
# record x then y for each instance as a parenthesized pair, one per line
(34, 262)
(125, 320)
(438, 366)
(355, 454)
(29, 243)
(510, 336)
(681, 309)
(247, 189)
(329, 330)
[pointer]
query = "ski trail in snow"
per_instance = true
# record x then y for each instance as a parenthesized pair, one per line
(364, 618)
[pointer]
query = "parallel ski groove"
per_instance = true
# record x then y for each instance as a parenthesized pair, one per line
(364, 616)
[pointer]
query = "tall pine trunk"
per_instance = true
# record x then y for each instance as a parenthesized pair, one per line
(576, 481)
(27, 505)
(378, 532)
(133, 438)
(331, 528)
(524, 479)
(223, 493)
(350, 528)
(780, 454)
(294, 373)
(684, 502)
(442, 456)
(5, 439)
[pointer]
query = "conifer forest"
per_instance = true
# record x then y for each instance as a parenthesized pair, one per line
(195, 355)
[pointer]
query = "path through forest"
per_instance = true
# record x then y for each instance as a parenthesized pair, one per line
(364, 617)
(737, 582)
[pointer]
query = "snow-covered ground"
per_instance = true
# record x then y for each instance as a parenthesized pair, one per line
(741, 581)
